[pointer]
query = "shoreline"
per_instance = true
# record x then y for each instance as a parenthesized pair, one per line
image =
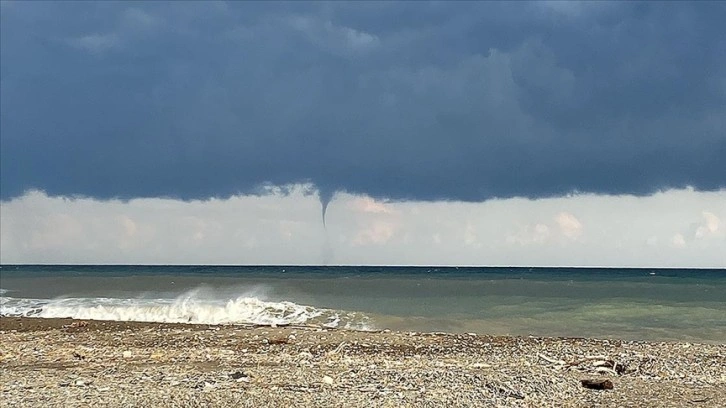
(19, 324)
(59, 362)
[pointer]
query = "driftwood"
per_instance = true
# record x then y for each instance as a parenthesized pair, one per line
(597, 384)
(598, 364)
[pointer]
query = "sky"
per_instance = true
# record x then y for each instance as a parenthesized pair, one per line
(522, 133)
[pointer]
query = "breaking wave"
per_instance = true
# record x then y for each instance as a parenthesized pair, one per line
(190, 307)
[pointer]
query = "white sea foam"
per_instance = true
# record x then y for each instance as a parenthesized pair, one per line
(191, 307)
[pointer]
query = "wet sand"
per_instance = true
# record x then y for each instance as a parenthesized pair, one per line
(63, 362)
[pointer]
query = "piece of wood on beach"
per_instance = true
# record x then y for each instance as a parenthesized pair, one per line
(551, 360)
(597, 384)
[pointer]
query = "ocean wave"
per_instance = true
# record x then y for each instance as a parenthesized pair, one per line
(190, 307)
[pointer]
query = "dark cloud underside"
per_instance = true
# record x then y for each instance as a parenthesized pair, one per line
(409, 100)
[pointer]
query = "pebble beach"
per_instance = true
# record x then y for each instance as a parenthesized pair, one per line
(64, 362)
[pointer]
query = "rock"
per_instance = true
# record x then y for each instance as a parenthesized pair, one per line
(328, 380)
(237, 375)
(127, 354)
(597, 384)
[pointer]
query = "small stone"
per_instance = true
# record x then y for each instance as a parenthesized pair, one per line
(80, 383)
(328, 380)
(597, 384)
(127, 354)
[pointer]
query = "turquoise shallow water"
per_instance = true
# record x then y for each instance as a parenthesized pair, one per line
(641, 304)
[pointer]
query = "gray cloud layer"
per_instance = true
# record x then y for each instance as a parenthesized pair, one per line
(462, 101)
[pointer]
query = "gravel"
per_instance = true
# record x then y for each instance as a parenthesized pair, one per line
(62, 362)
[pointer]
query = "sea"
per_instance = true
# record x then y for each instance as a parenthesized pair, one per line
(631, 304)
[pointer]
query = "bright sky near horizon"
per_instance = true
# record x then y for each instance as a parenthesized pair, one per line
(677, 228)
(522, 133)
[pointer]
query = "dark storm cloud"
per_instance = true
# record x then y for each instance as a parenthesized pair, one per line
(410, 100)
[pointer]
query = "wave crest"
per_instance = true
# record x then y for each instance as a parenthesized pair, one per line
(187, 308)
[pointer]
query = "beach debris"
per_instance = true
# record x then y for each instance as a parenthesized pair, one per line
(551, 360)
(78, 356)
(238, 375)
(328, 380)
(699, 400)
(339, 348)
(204, 384)
(76, 324)
(127, 354)
(597, 384)
(598, 364)
(505, 392)
(605, 370)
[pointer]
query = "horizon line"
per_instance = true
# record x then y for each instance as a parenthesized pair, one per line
(371, 266)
